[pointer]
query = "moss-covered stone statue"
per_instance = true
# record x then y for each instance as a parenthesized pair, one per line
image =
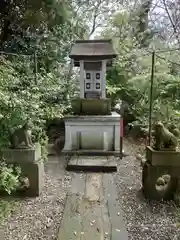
(164, 139)
(21, 137)
(160, 175)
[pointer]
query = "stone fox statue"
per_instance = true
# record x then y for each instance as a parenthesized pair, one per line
(19, 136)
(164, 139)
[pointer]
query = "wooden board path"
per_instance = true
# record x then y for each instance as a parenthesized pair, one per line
(92, 211)
(92, 163)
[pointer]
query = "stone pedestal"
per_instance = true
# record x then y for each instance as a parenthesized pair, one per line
(158, 166)
(162, 158)
(35, 173)
(31, 164)
(91, 106)
(22, 155)
(150, 176)
(92, 133)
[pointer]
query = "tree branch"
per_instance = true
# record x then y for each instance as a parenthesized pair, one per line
(171, 21)
(94, 26)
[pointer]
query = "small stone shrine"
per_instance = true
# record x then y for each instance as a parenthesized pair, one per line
(93, 127)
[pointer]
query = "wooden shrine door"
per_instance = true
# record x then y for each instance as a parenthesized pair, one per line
(92, 84)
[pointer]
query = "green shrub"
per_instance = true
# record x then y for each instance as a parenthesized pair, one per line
(9, 177)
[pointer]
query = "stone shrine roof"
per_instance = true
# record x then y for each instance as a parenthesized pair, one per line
(92, 48)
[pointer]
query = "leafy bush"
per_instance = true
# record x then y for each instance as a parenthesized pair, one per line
(9, 177)
(24, 95)
(22, 99)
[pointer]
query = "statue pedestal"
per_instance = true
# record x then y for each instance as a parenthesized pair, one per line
(159, 165)
(32, 166)
(22, 155)
(162, 158)
(92, 133)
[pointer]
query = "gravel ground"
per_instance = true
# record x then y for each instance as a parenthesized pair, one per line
(39, 218)
(145, 220)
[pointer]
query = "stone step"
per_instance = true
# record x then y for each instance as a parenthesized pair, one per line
(92, 163)
(94, 152)
(92, 210)
(91, 152)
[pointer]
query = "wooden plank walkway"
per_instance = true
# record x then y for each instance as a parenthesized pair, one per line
(92, 163)
(92, 211)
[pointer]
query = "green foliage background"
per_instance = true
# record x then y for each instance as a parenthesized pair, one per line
(130, 77)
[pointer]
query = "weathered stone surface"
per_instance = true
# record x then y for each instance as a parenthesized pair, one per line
(22, 155)
(93, 187)
(150, 176)
(92, 224)
(92, 210)
(21, 136)
(92, 163)
(158, 166)
(92, 153)
(118, 228)
(32, 167)
(114, 117)
(96, 106)
(92, 133)
(162, 158)
(164, 139)
(78, 184)
(71, 222)
(157, 169)
(92, 95)
(35, 174)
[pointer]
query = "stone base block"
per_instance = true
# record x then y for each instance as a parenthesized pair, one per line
(150, 177)
(160, 176)
(35, 174)
(91, 106)
(162, 158)
(22, 155)
(32, 167)
(92, 133)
